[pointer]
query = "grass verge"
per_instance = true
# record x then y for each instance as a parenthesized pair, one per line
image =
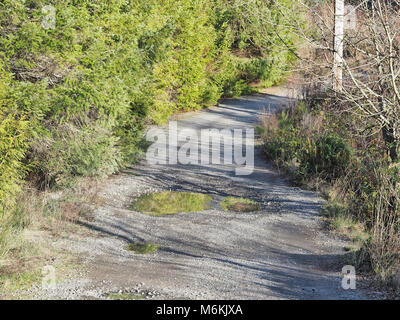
(343, 223)
(28, 232)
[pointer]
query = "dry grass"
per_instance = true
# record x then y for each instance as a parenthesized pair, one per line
(26, 234)
(370, 220)
(22, 268)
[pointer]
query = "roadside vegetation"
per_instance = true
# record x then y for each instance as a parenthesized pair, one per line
(321, 149)
(344, 140)
(39, 218)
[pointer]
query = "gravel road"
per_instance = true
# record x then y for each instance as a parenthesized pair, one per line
(279, 252)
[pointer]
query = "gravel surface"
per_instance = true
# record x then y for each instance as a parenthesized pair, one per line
(279, 252)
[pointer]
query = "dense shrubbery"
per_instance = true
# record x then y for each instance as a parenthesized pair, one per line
(329, 154)
(12, 151)
(295, 137)
(75, 98)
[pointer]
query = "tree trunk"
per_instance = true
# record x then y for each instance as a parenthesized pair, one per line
(392, 144)
(338, 46)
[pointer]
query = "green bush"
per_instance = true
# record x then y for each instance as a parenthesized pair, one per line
(75, 151)
(13, 146)
(289, 140)
(259, 36)
(283, 145)
(329, 155)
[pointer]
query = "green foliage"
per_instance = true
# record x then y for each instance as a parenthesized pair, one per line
(13, 146)
(16, 281)
(288, 142)
(74, 99)
(282, 141)
(283, 145)
(260, 34)
(71, 152)
(329, 154)
(13, 134)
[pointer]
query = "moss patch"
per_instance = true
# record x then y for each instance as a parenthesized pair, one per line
(142, 248)
(169, 202)
(239, 204)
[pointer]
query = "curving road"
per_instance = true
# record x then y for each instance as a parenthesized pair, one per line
(280, 252)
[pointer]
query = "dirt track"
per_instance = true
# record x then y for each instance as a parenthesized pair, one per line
(280, 252)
